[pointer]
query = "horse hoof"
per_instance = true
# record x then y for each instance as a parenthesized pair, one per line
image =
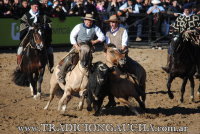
(45, 108)
(80, 106)
(38, 95)
(35, 97)
(191, 98)
(63, 108)
(89, 108)
(171, 96)
(181, 100)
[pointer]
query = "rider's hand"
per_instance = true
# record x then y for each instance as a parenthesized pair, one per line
(30, 28)
(76, 47)
(94, 42)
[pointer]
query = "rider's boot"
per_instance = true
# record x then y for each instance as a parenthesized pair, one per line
(167, 67)
(63, 68)
(19, 60)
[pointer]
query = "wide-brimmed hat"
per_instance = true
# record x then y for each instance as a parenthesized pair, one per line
(113, 18)
(155, 2)
(88, 17)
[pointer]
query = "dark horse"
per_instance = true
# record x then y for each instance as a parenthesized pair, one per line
(183, 63)
(34, 59)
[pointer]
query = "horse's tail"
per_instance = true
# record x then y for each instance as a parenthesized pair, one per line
(20, 78)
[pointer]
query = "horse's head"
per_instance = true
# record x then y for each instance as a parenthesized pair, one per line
(85, 54)
(176, 41)
(37, 41)
(114, 56)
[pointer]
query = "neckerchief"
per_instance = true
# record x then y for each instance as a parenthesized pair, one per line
(34, 15)
(86, 26)
(113, 31)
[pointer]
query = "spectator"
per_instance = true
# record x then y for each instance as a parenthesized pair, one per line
(147, 3)
(58, 10)
(139, 8)
(46, 7)
(124, 11)
(173, 10)
(90, 8)
(6, 9)
(100, 6)
(1, 8)
(156, 11)
(24, 8)
(166, 4)
(16, 9)
(77, 9)
(113, 7)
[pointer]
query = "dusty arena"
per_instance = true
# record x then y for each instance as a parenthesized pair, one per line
(20, 113)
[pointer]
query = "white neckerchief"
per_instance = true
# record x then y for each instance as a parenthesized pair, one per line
(34, 15)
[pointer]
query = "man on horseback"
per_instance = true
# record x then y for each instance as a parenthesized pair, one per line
(35, 18)
(118, 36)
(188, 25)
(82, 32)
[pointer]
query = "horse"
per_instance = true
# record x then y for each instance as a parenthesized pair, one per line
(183, 65)
(114, 57)
(124, 85)
(76, 79)
(32, 66)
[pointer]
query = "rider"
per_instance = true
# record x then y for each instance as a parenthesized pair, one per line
(184, 23)
(28, 20)
(82, 32)
(117, 35)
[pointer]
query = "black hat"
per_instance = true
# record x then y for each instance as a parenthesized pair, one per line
(34, 2)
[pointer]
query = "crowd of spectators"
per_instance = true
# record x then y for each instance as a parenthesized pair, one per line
(62, 8)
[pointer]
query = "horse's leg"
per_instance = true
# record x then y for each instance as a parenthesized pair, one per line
(183, 88)
(67, 96)
(81, 103)
(97, 105)
(32, 85)
(39, 82)
(141, 103)
(128, 104)
(53, 87)
(169, 81)
(192, 88)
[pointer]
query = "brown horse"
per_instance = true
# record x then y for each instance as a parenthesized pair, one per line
(122, 85)
(34, 60)
(76, 80)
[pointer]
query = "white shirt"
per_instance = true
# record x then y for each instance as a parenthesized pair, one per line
(157, 10)
(76, 29)
(135, 7)
(125, 5)
(124, 38)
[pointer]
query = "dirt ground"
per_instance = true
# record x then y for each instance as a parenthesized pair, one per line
(18, 108)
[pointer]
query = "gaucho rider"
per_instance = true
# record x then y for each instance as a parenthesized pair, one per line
(188, 24)
(82, 32)
(28, 20)
(118, 36)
